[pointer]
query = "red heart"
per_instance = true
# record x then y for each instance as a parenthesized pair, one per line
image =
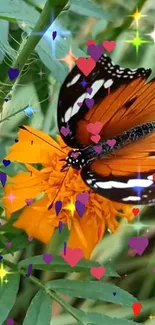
(109, 45)
(90, 42)
(97, 272)
(72, 256)
(135, 211)
(95, 128)
(95, 138)
(86, 65)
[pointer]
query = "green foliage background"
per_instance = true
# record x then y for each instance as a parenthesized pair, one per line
(72, 295)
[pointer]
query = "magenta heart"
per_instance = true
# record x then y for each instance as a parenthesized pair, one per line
(95, 51)
(30, 239)
(75, 154)
(83, 197)
(47, 258)
(98, 148)
(65, 131)
(111, 142)
(79, 104)
(89, 102)
(8, 244)
(139, 244)
(89, 90)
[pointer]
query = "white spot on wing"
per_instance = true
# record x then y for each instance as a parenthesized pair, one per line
(108, 83)
(131, 198)
(95, 87)
(74, 110)
(74, 80)
(130, 184)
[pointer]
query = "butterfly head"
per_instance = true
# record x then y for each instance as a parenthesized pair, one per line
(75, 160)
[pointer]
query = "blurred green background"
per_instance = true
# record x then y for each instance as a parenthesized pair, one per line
(82, 21)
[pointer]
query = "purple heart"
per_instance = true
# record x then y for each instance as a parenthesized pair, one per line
(65, 131)
(80, 208)
(89, 102)
(13, 73)
(6, 99)
(6, 162)
(16, 140)
(95, 51)
(58, 206)
(3, 178)
(29, 201)
(10, 321)
(47, 258)
(8, 244)
(54, 34)
(98, 149)
(114, 293)
(83, 197)
(139, 244)
(89, 90)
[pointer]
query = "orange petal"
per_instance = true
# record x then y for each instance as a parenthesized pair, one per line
(34, 146)
(23, 186)
(36, 223)
(89, 230)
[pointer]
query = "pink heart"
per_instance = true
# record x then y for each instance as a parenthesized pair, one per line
(75, 154)
(97, 272)
(29, 201)
(109, 45)
(30, 239)
(86, 65)
(95, 138)
(72, 256)
(98, 149)
(8, 244)
(111, 142)
(95, 128)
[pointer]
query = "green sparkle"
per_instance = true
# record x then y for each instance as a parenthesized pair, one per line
(137, 41)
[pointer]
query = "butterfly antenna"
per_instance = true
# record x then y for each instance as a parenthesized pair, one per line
(59, 189)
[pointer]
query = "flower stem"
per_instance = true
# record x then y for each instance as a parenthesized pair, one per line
(39, 284)
(41, 26)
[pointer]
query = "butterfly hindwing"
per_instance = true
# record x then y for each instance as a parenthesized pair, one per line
(73, 112)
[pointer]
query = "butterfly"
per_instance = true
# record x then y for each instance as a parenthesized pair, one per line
(122, 172)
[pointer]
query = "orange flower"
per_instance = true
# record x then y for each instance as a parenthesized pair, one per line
(36, 147)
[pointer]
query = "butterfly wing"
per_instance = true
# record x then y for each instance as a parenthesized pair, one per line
(126, 177)
(73, 111)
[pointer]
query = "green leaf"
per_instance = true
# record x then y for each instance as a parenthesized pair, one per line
(99, 27)
(39, 311)
(88, 8)
(59, 265)
(92, 290)
(18, 10)
(18, 242)
(98, 319)
(8, 292)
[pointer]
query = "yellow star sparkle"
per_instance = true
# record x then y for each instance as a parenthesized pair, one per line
(3, 273)
(137, 41)
(69, 59)
(152, 35)
(151, 317)
(137, 16)
(70, 207)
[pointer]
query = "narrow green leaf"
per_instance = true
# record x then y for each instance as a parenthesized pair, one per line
(59, 265)
(39, 311)
(88, 8)
(18, 242)
(98, 319)
(8, 292)
(18, 10)
(92, 290)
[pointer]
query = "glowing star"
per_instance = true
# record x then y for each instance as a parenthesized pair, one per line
(11, 197)
(151, 317)
(29, 110)
(137, 16)
(137, 41)
(70, 207)
(69, 59)
(152, 35)
(41, 73)
(3, 273)
(23, 25)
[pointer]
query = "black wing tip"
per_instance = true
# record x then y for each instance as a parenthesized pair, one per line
(22, 127)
